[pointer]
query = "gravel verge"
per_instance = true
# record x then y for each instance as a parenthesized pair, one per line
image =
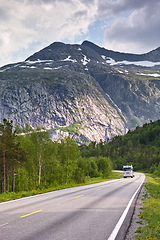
(131, 233)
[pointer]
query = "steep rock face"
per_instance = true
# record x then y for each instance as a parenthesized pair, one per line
(59, 99)
(139, 100)
(132, 83)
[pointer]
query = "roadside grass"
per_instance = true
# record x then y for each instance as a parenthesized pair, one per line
(151, 210)
(13, 195)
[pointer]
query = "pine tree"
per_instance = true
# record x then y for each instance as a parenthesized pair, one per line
(6, 140)
(12, 155)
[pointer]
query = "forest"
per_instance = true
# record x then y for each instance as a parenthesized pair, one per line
(29, 159)
(140, 147)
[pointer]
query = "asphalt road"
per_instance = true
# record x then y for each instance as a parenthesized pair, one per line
(93, 212)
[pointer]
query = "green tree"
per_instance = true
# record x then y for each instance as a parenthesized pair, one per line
(104, 166)
(27, 128)
(68, 155)
(11, 155)
(6, 141)
(36, 144)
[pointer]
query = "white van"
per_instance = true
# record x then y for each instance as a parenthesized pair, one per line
(128, 171)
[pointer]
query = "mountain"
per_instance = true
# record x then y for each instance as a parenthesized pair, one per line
(84, 91)
(153, 56)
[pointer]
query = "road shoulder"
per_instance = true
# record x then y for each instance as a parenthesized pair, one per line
(131, 233)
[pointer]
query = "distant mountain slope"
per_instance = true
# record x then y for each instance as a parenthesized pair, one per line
(83, 90)
(153, 56)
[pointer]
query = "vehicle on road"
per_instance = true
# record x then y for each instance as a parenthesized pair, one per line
(128, 171)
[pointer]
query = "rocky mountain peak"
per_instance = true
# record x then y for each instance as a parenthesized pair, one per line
(53, 52)
(153, 55)
(86, 91)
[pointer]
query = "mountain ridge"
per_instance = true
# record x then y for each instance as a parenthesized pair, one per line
(121, 55)
(64, 84)
(125, 56)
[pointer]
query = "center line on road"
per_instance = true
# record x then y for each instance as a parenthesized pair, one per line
(98, 189)
(30, 214)
(3, 224)
(79, 196)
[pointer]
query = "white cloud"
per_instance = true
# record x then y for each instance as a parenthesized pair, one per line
(135, 25)
(24, 23)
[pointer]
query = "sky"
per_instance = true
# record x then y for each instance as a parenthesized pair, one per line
(27, 26)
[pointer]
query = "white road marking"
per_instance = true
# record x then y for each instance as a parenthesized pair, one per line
(120, 222)
(3, 224)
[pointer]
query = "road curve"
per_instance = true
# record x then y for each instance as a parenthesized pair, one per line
(93, 212)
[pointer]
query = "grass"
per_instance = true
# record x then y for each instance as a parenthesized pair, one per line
(151, 210)
(12, 195)
(73, 128)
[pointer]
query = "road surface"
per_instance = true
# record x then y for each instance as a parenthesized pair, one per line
(93, 212)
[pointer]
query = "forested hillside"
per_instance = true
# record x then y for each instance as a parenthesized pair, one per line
(29, 160)
(140, 147)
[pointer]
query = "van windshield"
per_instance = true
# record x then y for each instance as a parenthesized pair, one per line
(127, 169)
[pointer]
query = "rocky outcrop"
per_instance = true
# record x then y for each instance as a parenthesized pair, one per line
(55, 100)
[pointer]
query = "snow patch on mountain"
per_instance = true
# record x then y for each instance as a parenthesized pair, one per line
(69, 59)
(111, 61)
(23, 66)
(85, 61)
(56, 68)
(38, 61)
(104, 57)
(47, 68)
(4, 69)
(120, 71)
(149, 74)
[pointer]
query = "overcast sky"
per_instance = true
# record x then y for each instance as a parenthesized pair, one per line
(26, 26)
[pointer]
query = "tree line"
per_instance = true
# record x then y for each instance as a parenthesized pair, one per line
(140, 147)
(29, 160)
